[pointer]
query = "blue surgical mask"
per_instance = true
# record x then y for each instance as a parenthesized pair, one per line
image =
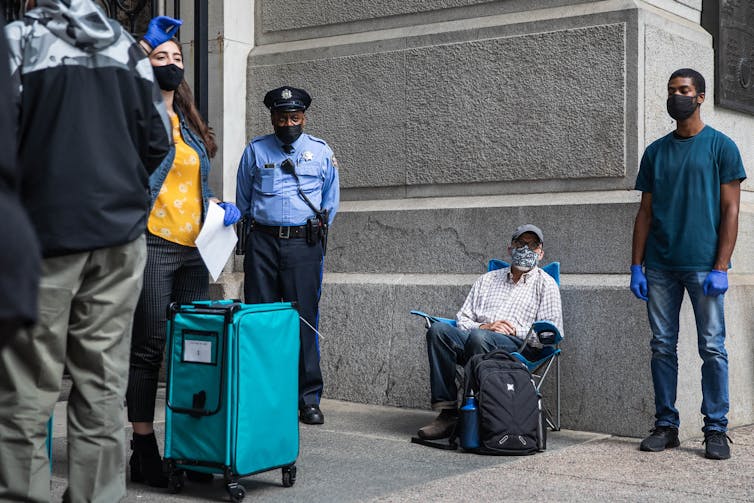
(524, 259)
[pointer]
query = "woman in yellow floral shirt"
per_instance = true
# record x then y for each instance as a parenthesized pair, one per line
(175, 271)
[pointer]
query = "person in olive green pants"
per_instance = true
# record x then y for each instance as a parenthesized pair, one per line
(86, 303)
(90, 127)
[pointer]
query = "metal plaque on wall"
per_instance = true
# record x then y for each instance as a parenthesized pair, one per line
(731, 23)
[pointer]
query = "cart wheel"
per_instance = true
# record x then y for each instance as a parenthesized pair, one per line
(236, 492)
(289, 475)
(175, 480)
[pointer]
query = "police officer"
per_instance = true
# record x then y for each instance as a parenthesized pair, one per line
(287, 186)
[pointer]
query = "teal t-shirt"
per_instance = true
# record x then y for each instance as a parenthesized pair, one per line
(684, 176)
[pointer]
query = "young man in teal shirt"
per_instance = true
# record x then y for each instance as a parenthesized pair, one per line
(684, 236)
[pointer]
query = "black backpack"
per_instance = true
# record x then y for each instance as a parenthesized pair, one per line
(511, 419)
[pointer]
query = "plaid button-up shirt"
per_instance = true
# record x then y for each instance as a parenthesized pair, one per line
(494, 296)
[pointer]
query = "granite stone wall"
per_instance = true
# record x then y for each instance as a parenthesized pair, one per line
(533, 107)
(456, 120)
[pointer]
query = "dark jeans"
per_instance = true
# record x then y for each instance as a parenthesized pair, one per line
(665, 297)
(448, 346)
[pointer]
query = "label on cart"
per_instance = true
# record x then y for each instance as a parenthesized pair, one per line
(197, 351)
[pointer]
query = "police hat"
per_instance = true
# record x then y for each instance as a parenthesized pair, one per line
(287, 99)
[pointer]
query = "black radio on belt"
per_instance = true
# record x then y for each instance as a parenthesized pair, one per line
(243, 227)
(323, 217)
(312, 231)
(316, 228)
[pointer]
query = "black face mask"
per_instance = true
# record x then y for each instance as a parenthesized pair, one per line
(681, 107)
(288, 134)
(168, 77)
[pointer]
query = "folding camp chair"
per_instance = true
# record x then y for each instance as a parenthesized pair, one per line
(547, 334)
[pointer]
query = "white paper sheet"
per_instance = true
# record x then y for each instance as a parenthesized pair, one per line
(216, 241)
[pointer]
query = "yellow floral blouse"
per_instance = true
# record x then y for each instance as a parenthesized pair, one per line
(177, 211)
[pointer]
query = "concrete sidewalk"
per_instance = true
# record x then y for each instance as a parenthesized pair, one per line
(363, 453)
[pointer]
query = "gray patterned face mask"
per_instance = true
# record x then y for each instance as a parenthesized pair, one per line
(523, 258)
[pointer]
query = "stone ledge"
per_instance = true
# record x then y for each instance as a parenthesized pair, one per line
(373, 351)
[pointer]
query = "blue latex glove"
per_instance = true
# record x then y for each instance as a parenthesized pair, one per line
(232, 213)
(161, 29)
(638, 282)
(716, 283)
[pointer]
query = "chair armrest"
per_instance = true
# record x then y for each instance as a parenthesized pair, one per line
(547, 333)
(429, 319)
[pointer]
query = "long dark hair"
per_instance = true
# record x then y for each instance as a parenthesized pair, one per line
(184, 100)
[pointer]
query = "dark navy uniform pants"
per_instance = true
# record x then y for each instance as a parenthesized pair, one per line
(289, 270)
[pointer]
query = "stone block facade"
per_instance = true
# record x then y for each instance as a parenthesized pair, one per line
(456, 120)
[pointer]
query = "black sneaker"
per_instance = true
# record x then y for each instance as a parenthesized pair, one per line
(716, 445)
(662, 437)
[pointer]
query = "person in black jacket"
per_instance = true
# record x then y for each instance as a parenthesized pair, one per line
(19, 255)
(90, 128)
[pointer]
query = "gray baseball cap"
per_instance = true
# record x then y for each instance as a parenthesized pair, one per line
(521, 229)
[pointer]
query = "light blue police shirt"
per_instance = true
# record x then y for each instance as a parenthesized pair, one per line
(271, 196)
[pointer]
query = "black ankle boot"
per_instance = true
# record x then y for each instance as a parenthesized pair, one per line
(146, 463)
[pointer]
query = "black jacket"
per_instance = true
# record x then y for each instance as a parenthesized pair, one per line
(19, 253)
(91, 126)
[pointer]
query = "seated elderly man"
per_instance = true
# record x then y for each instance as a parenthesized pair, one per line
(497, 314)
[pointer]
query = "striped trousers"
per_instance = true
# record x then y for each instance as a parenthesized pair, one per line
(174, 273)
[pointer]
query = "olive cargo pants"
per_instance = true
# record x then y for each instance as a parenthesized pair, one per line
(86, 306)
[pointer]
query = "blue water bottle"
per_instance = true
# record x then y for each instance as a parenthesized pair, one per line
(470, 423)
